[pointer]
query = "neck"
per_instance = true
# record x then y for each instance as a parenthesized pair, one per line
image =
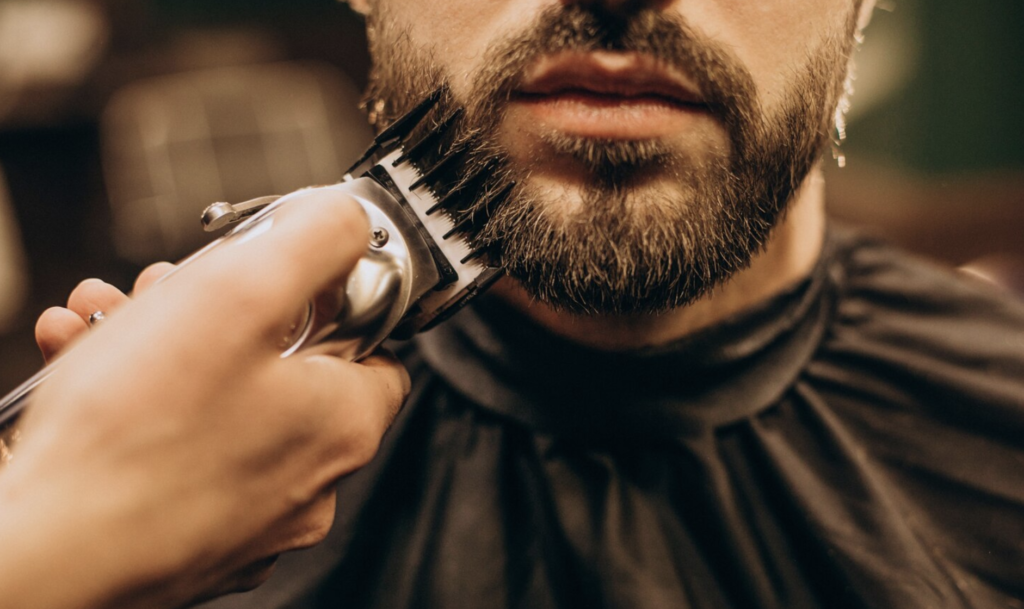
(788, 257)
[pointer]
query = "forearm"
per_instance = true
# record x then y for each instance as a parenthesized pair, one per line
(54, 555)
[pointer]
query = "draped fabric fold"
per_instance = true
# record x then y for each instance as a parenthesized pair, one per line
(856, 442)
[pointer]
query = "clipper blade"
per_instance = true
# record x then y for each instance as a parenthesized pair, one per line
(426, 161)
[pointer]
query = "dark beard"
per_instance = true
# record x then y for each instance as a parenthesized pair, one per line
(627, 248)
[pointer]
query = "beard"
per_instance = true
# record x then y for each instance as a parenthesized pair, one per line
(650, 228)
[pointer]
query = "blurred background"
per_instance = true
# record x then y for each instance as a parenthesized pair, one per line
(120, 120)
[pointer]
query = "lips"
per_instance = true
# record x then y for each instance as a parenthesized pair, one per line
(609, 95)
(624, 75)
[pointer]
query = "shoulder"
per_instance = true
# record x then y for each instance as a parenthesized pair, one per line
(924, 369)
(893, 298)
(912, 335)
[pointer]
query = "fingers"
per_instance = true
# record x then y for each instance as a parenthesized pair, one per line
(391, 372)
(150, 275)
(350, 406)
(56, 328)
(386, 385)
(93, 295)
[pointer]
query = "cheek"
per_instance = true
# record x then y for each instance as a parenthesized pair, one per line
(459, 32)
(774, 39)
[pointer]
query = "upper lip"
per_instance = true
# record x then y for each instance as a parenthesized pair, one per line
(609, 73)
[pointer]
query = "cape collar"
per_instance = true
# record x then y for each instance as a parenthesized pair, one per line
(505, 363)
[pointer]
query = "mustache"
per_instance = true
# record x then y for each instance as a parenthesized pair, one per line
(727, 87)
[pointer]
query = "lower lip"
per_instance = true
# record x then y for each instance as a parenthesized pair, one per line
(608, 116)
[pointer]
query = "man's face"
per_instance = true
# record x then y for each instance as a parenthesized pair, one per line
(654, 144)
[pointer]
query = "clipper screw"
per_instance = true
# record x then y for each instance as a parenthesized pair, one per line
(379, 237)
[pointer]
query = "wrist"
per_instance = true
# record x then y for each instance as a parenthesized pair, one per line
(32, 557)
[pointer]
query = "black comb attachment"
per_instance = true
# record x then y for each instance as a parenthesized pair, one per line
(438, 173)
(480, 210)
(432, 141)
(441, 151)
(473, 183)
(395, 134)
(472, 220)
(479, 285)
(401, 128)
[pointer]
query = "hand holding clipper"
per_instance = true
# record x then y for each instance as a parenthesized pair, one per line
(174, 453)
(420, 267)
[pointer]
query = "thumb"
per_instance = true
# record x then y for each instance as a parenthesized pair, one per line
(312, 240)
(309, 242)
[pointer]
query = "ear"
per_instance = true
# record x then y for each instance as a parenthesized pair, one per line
(360, 6)
(866, 10)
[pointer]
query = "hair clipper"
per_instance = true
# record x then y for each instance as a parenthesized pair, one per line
(420, 267)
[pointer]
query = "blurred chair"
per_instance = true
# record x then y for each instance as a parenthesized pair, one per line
(174, 144)
(14, 284)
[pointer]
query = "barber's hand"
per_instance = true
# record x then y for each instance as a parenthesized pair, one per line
(174, 453)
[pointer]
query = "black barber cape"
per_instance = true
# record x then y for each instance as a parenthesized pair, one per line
(857, 442)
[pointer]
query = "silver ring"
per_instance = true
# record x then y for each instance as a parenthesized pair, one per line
(97, 317)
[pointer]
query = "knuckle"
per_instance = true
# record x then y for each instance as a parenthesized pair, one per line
(394, 392)
(371, 416)
(152, 273)
(87, 284)
(392, 384)
(48, 318)
(338, 217)
(363, 446)
(346, 214)
(404, 383)
(315, 529)
(88, 287)
(254, 576)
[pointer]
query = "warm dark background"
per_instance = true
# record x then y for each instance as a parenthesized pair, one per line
(121, 119)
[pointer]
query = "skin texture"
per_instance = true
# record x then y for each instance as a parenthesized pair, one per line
(774, 43)
(179, 473)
